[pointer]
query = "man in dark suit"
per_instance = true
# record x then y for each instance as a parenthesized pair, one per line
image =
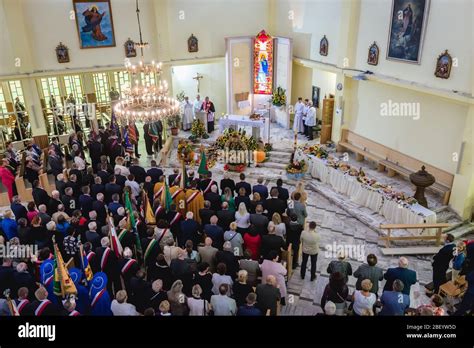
(23, 278)
(407, 276)
(282, 192)
(138, 171)
(206, 213)
(268, 295)
(97, 187)
(227, 182)
(103, 173)
(206, 183)
(56, 164)
(228, 257)
(188, 230)
(215, 232)
(274, 204)
(261, 189)
(244, 184)
(92, 236)
(40, 196)
(213, 197)
(110, 188)
(293, 235)
(69, 201)
(225, 216)
(60, 183)
(155, 172)
(85, 201)
(119, 178)
(114, 205)
(74, 185)
(77, 173)
(259, 221)
(173, 179)
(441, 262)
(54, 202)
(18, 209)
(95, 151)
(99, 207)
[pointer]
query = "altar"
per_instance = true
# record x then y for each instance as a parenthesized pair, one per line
(260, 127)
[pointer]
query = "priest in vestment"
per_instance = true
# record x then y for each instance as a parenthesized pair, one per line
(194, 201)
(209, 109)
(188, 114)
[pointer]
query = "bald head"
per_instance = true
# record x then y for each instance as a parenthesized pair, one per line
(403, 262)
(208, 241)
(271, 280)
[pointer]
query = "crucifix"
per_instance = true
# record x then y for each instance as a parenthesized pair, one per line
(198, 78)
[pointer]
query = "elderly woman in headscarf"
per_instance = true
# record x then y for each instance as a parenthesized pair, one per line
(177, 299)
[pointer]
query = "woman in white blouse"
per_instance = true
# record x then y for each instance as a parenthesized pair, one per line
(363, 299)
(119, 163)
(242, 218)
(197, 305)
(280, 227)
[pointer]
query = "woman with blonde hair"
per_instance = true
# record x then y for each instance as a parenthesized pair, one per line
(242, 218)
(280, 227)
(235, 239)
(363, 299)
(256, 200)
(197, 305)
(300, 188)
(241, 288)
(120, 163)
(228, 197)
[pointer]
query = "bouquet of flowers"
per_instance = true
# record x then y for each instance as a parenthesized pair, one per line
(185, 151)
(255, 117)
(198, 131)
(296, 167)
(239, 168)
(315, 150)
(279, 97)
(180, 96)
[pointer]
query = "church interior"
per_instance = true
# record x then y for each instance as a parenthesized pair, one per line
(125, 122)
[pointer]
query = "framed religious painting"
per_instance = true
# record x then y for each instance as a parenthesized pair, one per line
(323, 46)
(94, 22)
(443, 65)
(373, 56)
(130, 50)
(315, 96)
(193, 44)
(407, 30)
(62, 53)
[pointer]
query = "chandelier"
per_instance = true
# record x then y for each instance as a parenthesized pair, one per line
(143, 101)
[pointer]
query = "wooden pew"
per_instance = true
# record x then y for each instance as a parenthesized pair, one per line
(4, 199)
(24, 193)
(412, 250)
(395, 162)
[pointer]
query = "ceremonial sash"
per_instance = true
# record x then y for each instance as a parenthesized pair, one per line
(22, 305)
(158, 210)
(149, 247)
(178, 191)
(175, 219)
(177, 179)
(74, 313)
(162, 235)
(122, 234)
(97, 297)
(48, 280)
(190, 199)
(89, 256)
(42, 307)
(158, 193)
(127, 266)
(209, 186)
(104, 259)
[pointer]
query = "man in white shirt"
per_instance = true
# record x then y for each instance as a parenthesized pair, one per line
(120, 307)
(298, 125)
(310, 121)
(197, 104)
(222, 304)
(188, 114)
(133, 185)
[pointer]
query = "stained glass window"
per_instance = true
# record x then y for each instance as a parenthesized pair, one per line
(73, 84)
(122, 81)
(16, 91)
(101, 84)
(263, 64)
(50, 87)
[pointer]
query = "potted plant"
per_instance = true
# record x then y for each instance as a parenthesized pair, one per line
(173, 123)
(296, 169)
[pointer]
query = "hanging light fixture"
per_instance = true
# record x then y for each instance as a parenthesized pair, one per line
(144, 101)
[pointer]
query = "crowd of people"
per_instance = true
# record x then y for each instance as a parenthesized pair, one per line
(188, 245)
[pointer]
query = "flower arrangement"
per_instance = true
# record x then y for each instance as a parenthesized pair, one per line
(198, 131)
(173, 121)
(279, 97)
(185, 151)
(315, 150)
(296, 167)
(239, 168)
(240, 140)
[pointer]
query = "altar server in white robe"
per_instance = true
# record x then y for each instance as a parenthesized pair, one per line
(310, 121)
(305, 113)
(188, 114)
(298, 125)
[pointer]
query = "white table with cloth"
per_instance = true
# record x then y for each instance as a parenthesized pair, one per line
(260, 127)
(365, 196)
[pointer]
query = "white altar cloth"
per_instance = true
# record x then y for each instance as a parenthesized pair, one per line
(260, 128)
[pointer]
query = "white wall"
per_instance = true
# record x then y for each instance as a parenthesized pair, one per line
(327, 82)
(212, 85)
(433, 138)
(449, 26)
(211, 21)
(307, 21)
